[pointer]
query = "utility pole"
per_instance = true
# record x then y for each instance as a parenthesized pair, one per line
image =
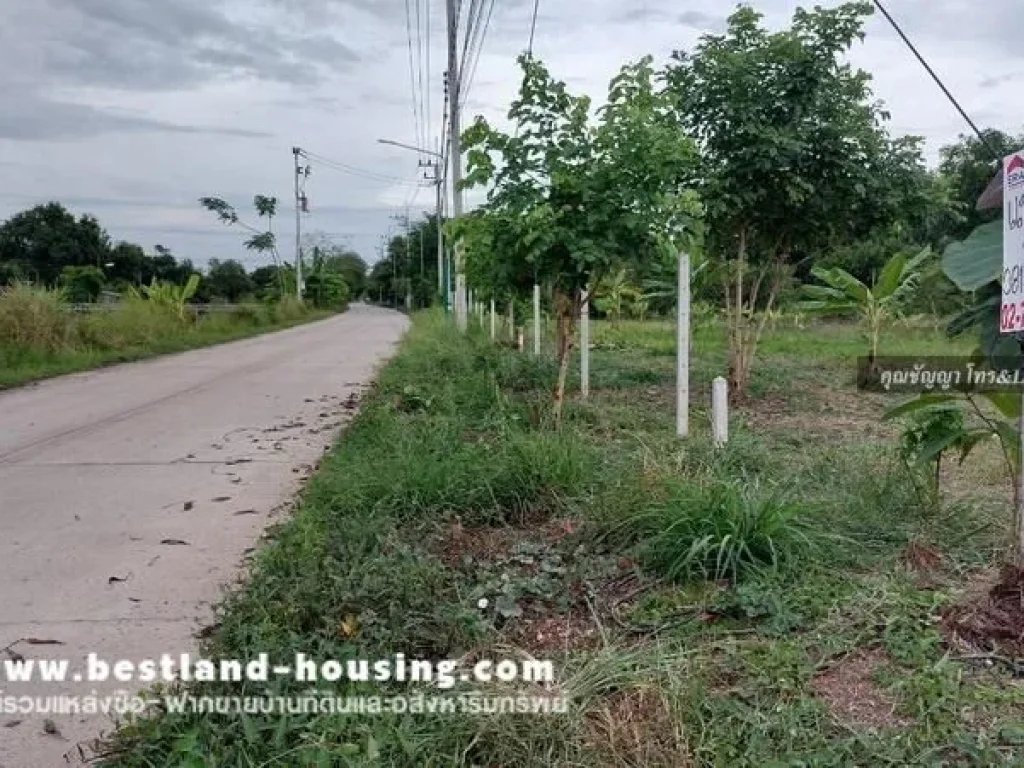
(455, 93)
(408, 265)
(439, 181)
(442, 288)
(301, 205)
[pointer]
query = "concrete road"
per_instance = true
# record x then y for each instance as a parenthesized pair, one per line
(129, 497)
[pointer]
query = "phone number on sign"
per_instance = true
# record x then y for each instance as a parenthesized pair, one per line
(1012, 318)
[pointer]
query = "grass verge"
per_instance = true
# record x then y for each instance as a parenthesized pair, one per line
(776, 602)
(39, 339)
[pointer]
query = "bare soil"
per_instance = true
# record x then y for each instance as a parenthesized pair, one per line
(854, 697)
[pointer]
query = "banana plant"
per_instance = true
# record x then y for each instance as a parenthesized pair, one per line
(937, 426)
(876, 304)
(171, 296)
(613, 293)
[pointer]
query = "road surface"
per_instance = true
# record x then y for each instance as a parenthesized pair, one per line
(130, 496)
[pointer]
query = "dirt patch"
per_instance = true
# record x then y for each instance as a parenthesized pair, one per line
(853, 697)
(992, 621)
(575, 630)
(460, 545)
(544, 587)
(823, 412)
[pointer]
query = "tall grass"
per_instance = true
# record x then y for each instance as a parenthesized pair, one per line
(717, 530)
(33, 319)
(40, 337)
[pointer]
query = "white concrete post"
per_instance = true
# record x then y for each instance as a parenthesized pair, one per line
(536, 320)
(720, 411)
(461, 305)
(683, 348)
(585, 343)
(512, 319)
(494, 321)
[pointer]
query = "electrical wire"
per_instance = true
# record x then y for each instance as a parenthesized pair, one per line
(469, 40)
(899, 31)
(429, 87)
(464, 93)
(533, 26)
(422, 75)
(416, 95)
(354, 171)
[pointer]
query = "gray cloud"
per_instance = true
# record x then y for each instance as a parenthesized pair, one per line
(40, 119)
(994, 81)
(129, 44)
(702, 21)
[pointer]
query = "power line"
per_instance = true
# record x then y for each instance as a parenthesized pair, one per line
(337, 165)
(938, 81)
(416, 98)
(479, 51)
(424, 86)
(472, 26)
(533, 26)
(429, 89)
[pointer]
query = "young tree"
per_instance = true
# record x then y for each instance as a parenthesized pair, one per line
(263, 242)
(793, 154)
(570, 200)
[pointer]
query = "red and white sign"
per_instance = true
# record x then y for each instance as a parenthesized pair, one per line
(1011, 319)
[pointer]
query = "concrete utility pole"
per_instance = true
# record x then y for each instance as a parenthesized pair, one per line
(408, 265)
(455, 123)
(299, 171)
(439, 182)
(442, 292)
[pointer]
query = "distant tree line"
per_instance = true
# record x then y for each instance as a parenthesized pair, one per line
(47, 245)
(408, 268)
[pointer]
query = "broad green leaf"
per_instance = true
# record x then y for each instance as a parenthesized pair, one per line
(978, 260)
(935, 448)
(972, 439)
(919, 404)
(1007, 403)
(889, 279)
(839, 278)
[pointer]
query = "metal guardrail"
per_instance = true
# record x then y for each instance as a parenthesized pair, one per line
(197, 309)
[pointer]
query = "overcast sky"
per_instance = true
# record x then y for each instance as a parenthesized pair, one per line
(132, 109)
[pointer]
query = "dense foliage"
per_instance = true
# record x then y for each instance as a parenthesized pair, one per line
(48, 246)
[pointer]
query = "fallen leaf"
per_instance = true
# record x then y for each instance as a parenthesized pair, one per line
(50, 727)
(175, 542)
(247, 512)
(349, 625)
(220, 499)
(12, 723)
(116, 579)
(188, 505)
(39, 641)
